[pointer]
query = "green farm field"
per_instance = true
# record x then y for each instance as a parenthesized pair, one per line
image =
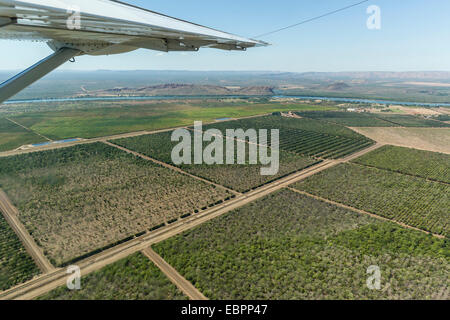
(98, 119)
(77, 200)
(132, 278)
(290, 246)
(411, 200)
(13, 136)
(425, 164)
(16, 266)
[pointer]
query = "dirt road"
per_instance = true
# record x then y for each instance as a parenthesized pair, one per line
(185, 286)
(10, 213)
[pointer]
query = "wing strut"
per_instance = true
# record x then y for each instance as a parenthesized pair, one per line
(24, 79)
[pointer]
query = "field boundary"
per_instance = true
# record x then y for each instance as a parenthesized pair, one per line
(10, 213)
(373, 215)
(397, 171)
(177, 279)
(29, 130)
(362, 152)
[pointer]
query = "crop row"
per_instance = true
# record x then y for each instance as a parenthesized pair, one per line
(411, 200)
(425, 164)
(320, 145)
(282, 123)
(239, 177)
(353, 119)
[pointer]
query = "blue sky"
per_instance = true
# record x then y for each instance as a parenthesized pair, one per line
(414, 36)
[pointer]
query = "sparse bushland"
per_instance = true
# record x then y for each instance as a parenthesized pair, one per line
(16, 266)
(290, 246)
(425, 164)
(411, 200)
(132, 278)
(76, 200)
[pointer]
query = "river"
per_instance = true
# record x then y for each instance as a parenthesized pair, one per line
(353, 100)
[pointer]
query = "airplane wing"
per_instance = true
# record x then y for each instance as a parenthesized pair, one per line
(99, 27)
(105, 27)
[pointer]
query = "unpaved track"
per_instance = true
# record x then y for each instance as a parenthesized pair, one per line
(185, 286)
(364, 212)
(169, 166)
(361, 153)
(10, 213)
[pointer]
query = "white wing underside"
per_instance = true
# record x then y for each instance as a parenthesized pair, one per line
(108, 27)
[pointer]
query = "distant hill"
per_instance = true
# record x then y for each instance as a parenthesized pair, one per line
(173, 89)
(338, 86)
(379, 75)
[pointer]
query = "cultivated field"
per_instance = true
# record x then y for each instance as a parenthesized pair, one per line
(132, 278)
(353, 119)
(305, 136)
(425, 164)
(411, 121)
(16, 266)
(431, 139)
(241, 178)
(80, 199)
(411, 200)
(290, 246)
(13, 136)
